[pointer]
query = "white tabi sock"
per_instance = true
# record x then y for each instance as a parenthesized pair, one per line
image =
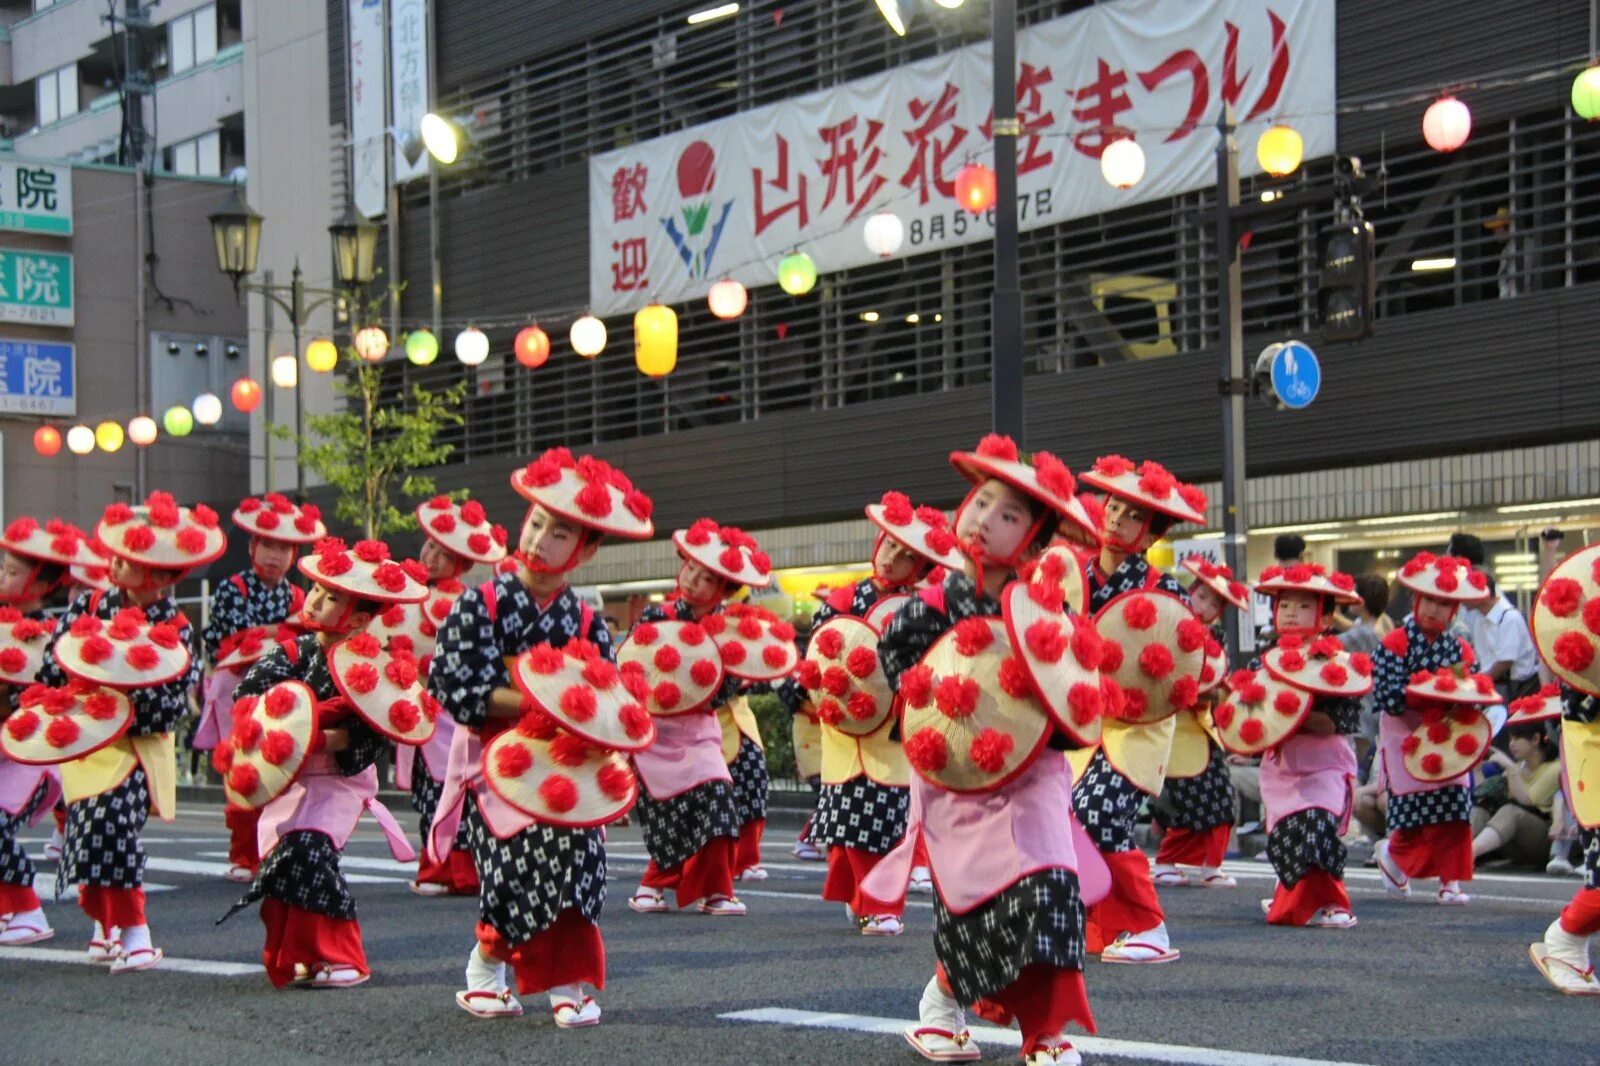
(484, 975)
(940, 1011)
(135, 938)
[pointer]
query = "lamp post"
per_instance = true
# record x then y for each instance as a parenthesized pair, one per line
(1005, 381)
(236, 230)
(1230, 338)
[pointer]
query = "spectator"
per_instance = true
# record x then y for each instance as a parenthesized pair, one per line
(1505, 650)
(1363, 636)
(1466, 546)
(1511, 811)
(1289, 548)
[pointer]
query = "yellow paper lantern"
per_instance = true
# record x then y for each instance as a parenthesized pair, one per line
(1280, 150)
(655, 340)
(322, 355)
(109, 436)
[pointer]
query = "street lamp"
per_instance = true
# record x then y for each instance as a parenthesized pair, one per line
(355, 243)
(236, 228)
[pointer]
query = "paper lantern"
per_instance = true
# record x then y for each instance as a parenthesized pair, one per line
(532, 347)
(246, 394)
(142, 431)
(1586, 94)
(655, 340)
(109, 436)
(588, 336)
(1280, 150)
(1122, 163)
(797, 274)
(728, 299)
(178, 420)
(1446, 124)
(207, 409)
(322, 356)
(422, 347)
(80, 440)
(975, 188)
(47, 440)
(472, 346)
(884, 234)
(372, 343)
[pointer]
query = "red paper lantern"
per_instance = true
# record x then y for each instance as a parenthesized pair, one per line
(975, 188)
(47, 440)
(532, 347)
(246, 395)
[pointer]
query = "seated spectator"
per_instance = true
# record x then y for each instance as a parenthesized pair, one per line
(1511, 811)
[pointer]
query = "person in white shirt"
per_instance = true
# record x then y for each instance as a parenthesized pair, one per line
(1505, 650)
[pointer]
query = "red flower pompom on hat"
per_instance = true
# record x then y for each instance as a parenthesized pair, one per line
(997, 446)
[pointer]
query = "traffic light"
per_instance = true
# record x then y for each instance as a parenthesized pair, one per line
(1345, 288)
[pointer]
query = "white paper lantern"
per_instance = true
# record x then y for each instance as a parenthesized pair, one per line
(472, 346)
(728, 299)
(80, 440)
(142, 431)
(285, 371)
(1122, 163)
(1446, 124)
(884, 234)
(207, 409)
(588, 336)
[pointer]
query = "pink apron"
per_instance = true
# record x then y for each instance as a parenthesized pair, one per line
(18, 781)
(687, 752)
(462, 776)
(324, 800)
(216, 716)
(435, 754)
(980, 844)
(1308, 771)
(1392, 732)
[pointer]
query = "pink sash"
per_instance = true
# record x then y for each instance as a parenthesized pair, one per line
(1308, 771)
(435, 754)
(18, 782)
(687, 752)
(464, 774)
(324, 800)
(216, 716)
(1392, 732)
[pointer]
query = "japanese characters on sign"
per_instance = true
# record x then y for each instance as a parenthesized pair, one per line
(410, 80)
(35, 287)
(35, 197)
(37, 378)
(368, 142)
(670, 216)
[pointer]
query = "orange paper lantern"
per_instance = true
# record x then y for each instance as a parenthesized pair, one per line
(532, 347)
(246, 395)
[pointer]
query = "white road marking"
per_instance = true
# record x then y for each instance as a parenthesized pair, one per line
(217, 869)
(201, 966)
(45, 885)
(1090, 1045)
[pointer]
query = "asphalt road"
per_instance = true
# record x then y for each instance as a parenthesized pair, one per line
(1414, 983)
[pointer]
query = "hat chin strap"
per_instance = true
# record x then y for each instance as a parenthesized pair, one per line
(716, 596)
(337, 626)
(149, 584)
(33, 574)
(974, 551)
(1137, 545)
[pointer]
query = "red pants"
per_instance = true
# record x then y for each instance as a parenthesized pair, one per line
(1582, 916)
(1443, 851)
(456, 872)
(1132, 906)
(1043, 1001)
(919, 853)
(708, 872)
(299, 936)
(569, 952)
(18, 899)
(1316, 890)
(242, 847)
(847, 868)
(59, 813)
(120, 907)
(1194, 847)
(748, 852)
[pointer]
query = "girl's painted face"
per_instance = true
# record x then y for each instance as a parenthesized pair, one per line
(549, 539)
(1127, 526)
(1434, 616)
(132, 576)
(325, 609)
(14, 573)
(698, 585)
(995, 520)
(1207, 605)
(441, 563)
(893, 562)
(1297, 612)
(271, 558)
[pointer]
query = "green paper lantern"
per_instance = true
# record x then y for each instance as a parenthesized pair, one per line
(797, 274)
(1586, 94)
(178, 420)
(422, 347)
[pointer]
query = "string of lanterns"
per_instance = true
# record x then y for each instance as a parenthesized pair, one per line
(1446, 126)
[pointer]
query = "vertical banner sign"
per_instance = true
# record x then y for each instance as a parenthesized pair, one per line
(35, 197)
(411, 91)
(369, 148)
(35, 287)
(37, 378)
(670, 216)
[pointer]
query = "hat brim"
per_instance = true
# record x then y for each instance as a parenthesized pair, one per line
(285, 532)
(634, 653)
(1019, 475)
(913, 536)
(1315, 586)
(1126, 487)
(605, 725)
(459, 540)
(593, 807)
(35, 748)
(1277, 725)
(561, 500)
(1223, 587)
(1426, 583)
(357, 581)
(299, 724)
(39, 546)
(376, 708)
(1464, 721)
(1170, 614)
(114, 671)
(164, 554)
(834, 708)
(1053, 680)
(709, 555)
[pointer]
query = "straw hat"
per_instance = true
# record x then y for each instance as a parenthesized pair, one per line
(56, 543)
(274, 517)
(56, 725)
(556, 777)
(1154, 650)
(674, 667)
(413, 628)
(923, 530)
(970, 723)
(161, 535)
(272, 737)
(1057, 655)
(365, 571)
(1259, 712)
(755, 644)
(1449, 742)
(881, 613)
(462, 529)
(1321, 667)
(585, 694)
(251, 645)
(125, 653)
(1443, 577)
(1542, 706)
(384, 689)
(587, 491)
(1215, 670)
(1219, 578)
(1148, 485)
(1446, 685)
(1041, 476)
(1058, 564)
(22, 645)
(843, 677)
(727, 551)
(1566, 620)
(1313, 578)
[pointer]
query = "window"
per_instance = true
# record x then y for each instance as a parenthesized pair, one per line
(193, 39)
(58, 94)
(201, 157)
(40, 5)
